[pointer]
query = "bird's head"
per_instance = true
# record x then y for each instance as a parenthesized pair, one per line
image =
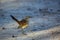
(27, 17)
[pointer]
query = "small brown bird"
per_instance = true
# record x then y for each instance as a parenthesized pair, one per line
(23, 23)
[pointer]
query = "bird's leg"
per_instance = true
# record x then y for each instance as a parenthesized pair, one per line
(18, 27)
(23, 32)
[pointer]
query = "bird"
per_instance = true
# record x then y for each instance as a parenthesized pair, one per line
(22, 23)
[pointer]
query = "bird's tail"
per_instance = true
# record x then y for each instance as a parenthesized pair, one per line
(14, 18)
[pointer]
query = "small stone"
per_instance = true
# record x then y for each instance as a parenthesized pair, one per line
(51, 9)
(13, 36)
(40, 9)
(3, 28)
(58, 10)
(28, 8)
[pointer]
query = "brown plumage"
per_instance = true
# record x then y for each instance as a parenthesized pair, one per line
(23, 23)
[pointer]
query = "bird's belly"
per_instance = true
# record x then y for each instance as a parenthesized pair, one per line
(24, 26)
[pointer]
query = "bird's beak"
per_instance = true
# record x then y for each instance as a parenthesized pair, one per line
(30, 16)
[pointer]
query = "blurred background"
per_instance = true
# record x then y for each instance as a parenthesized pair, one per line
(45, 13)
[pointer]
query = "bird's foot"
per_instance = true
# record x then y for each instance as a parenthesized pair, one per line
(24, 33)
